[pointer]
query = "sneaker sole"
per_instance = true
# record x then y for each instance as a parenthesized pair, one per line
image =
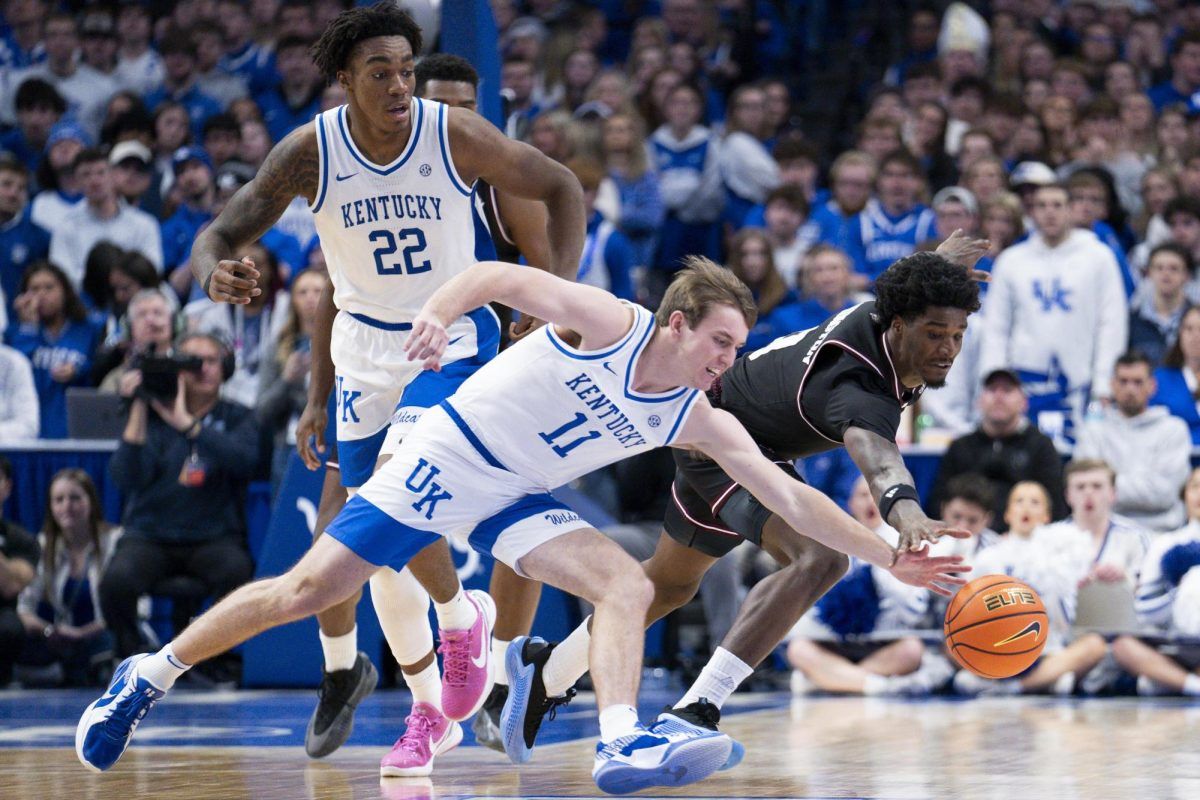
(516, 707)
(453, 738)
(85, 720)
(687, 762)
(736, 753)
(321, 745)
(487, 733)
(489, 620)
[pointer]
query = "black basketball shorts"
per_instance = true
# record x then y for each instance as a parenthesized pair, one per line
(711, 512)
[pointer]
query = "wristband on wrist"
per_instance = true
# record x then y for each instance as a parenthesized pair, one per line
(208, 282)
(894, 494)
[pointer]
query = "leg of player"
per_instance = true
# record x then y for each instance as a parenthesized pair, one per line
(516, 605)
(629, 757)
(329, 573)
(348, 676)
(1156, 673)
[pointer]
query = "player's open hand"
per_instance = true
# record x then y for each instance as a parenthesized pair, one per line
(964, 250)
(935, 574)
(310, 435)
(915, 535)
(234, 282)
(427, 341)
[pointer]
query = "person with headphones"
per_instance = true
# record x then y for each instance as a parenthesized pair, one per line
(150, 324)
(195, 452)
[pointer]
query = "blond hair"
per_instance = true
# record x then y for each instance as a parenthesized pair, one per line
(699, 286)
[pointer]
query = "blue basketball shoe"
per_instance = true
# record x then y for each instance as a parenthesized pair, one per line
(108, 724)
(651, 758)
(527, 702)
(699, 716)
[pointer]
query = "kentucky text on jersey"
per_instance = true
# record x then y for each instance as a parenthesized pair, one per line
(593, 398)
(386, 207)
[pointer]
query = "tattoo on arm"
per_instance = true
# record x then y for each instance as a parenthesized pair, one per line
(290, 170)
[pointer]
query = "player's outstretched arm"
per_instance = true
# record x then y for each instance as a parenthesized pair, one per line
(806, 510)
(290, 170)
(515, 168)
(881, 464)
(598, 317)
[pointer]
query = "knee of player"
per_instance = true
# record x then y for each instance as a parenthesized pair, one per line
(296, 595)
(632, 589)
(675, 594)
(815, 562)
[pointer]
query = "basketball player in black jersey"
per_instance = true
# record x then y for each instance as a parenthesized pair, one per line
(518, 229)
(843, 383)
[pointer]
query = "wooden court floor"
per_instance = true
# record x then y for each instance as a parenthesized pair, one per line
(1014, 749)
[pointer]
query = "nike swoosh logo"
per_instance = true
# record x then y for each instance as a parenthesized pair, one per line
(341, 178)
(171, 660)
(608, 367)
(481, 659)
(454, 340)
(1034, 627)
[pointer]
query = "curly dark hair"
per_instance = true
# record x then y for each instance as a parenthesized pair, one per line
(444, 67)
(921, 281)
(332, 51)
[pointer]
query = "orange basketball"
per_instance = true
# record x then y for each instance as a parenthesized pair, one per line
(996, 626)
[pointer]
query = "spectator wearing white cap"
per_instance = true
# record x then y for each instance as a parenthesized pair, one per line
(133, 171)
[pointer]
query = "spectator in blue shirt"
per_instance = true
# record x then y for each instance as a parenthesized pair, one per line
(21, 240)
(1179, 376)
(254, 62)
(851, 178)
(39, 106)
(626, 161)
(194, 185)
(53, 331)
(296, 98)
(608, 258)
(751, 259)
(179, 62)
(1184, 84)
(890, 227)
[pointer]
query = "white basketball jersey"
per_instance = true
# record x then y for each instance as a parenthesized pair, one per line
(551, 413)
(392, 234)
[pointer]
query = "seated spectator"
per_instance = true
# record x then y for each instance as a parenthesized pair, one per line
(133, 172)
(39, 106)
(149, 326)
(20, 417)
(1090, 198)
(52, 330)
(1179, 376)
(139, 65)
(192, 451)
(101, 216)
(685, 156)
(968, 503)
(608, 258)
(222, 139)
(785, 217)
(296, 98)
(1003, 225)
(195, 191)
(1053, 559)
(822, 650)
(211, 78)
(1149, 449)
(59, 190)
(1183, 218)
(1056, 315)
(751, 261)
(954, 208)
(22, 241)
(179, 85)
(825, 279)
(985, 178)
(747, 167)
(851, 178)
(127, 277)
(1156, 315)
(1159, 187)
(252, 328)
(891, 225)
(639, 211)
(60, 609)
(1168, 602)
(284, 381)
(19, 557)
(1005, 449)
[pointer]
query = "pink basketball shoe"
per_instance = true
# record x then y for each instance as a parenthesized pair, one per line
(467, 675)
(428, 734)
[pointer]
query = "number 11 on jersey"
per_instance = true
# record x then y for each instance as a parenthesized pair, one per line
(549, 437)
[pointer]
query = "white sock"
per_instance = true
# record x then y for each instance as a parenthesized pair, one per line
(617, 721)
(875, 684)
(426, 686)
(162, 668)
(1191, 685)
(723, 673)
(568, 661)
(457, 614)
(340, 651)
(402, 605)
(499, 651)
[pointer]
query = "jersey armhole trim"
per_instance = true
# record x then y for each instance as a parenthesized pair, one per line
(683, 414)
(590, 355)
(627, 386)
(323, 159)
(499, 218)
(444, 143)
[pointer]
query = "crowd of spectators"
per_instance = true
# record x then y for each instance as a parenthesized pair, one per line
(1063, 131)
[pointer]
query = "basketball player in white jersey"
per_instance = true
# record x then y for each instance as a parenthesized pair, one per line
(479, 467)
(389, 179)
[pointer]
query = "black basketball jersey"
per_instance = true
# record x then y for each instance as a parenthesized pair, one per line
(799, 394)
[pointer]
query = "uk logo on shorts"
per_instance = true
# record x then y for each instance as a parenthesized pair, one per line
(421, 482)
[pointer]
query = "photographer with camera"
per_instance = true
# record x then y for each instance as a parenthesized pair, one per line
(183, 462)
(149, 326)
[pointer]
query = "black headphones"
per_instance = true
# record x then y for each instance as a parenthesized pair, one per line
(228, 357)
